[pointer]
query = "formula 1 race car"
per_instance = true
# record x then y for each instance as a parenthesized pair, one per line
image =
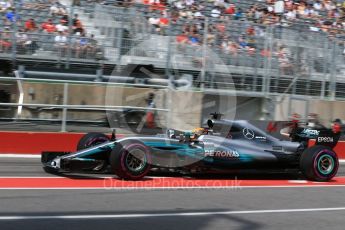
(223, 145)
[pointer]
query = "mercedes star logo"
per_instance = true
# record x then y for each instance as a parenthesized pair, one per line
(248, 133)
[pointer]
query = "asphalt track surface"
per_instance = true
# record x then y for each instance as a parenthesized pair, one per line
(303, 207)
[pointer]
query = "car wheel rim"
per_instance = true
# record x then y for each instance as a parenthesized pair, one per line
(136, 160)
(326, 164)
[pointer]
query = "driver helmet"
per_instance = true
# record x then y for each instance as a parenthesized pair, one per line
(198, 131)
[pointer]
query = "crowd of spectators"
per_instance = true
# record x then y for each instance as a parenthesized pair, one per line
(321, 15)
(186, 19)
(57, 32)
(324, 16)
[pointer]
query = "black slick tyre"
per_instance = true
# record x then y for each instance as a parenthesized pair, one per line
(91, 139)
(319, 163)
(130, 160)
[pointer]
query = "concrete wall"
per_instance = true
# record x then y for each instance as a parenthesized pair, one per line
(185, 114)
(188, 109)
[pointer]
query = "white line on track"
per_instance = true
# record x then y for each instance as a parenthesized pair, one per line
(298, 181)
(157, 215)
(20, 155)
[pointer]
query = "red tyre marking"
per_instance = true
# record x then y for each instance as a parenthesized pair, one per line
(123, 160)
(316, 161)
(93, 140)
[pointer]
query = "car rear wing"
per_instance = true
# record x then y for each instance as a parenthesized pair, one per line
(328, 138)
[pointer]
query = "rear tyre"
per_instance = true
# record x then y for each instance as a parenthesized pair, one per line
(319, 163)
(130, 161)
(91, 139)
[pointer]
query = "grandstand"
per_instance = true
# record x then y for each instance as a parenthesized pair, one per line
(258, 48)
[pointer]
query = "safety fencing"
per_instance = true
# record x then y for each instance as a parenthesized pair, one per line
(218, 53)
(65, 102)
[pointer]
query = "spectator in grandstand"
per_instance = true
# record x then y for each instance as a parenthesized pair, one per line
(92, 46)
(182, 38)
(65, 18)
(12, 16)
(30, 25)
(155, 21)
(284, 56)
(78, 27)
(75, 19)
(83, 46)
(38, 5)
(155, 5)
(265, 53)
(317, 5)
(48, 26)
(4, 5)
(62, 26)
(230, 47)
(291, 14)
(57, 9)
(61, 43)
(5, 40)
(194, 39)
(22, 40)
(216, 12)
(230, 9)
(239, 14)
(329, 5)
(250, 15)
(80, 45)
(279, 7)
(6, 23)
(163, 23)
(211, 36)
(159, 22)
(76, 3)
(242, 41)
(32, 43)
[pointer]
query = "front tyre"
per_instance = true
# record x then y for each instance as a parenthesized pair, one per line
(130, 161)
(91, 139)
(319, 163)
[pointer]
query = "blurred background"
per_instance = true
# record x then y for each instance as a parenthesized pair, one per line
(142, 66)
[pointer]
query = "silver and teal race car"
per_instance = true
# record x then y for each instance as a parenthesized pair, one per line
(222, 146)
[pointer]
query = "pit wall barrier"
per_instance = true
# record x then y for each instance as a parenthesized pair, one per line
(37, 142)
